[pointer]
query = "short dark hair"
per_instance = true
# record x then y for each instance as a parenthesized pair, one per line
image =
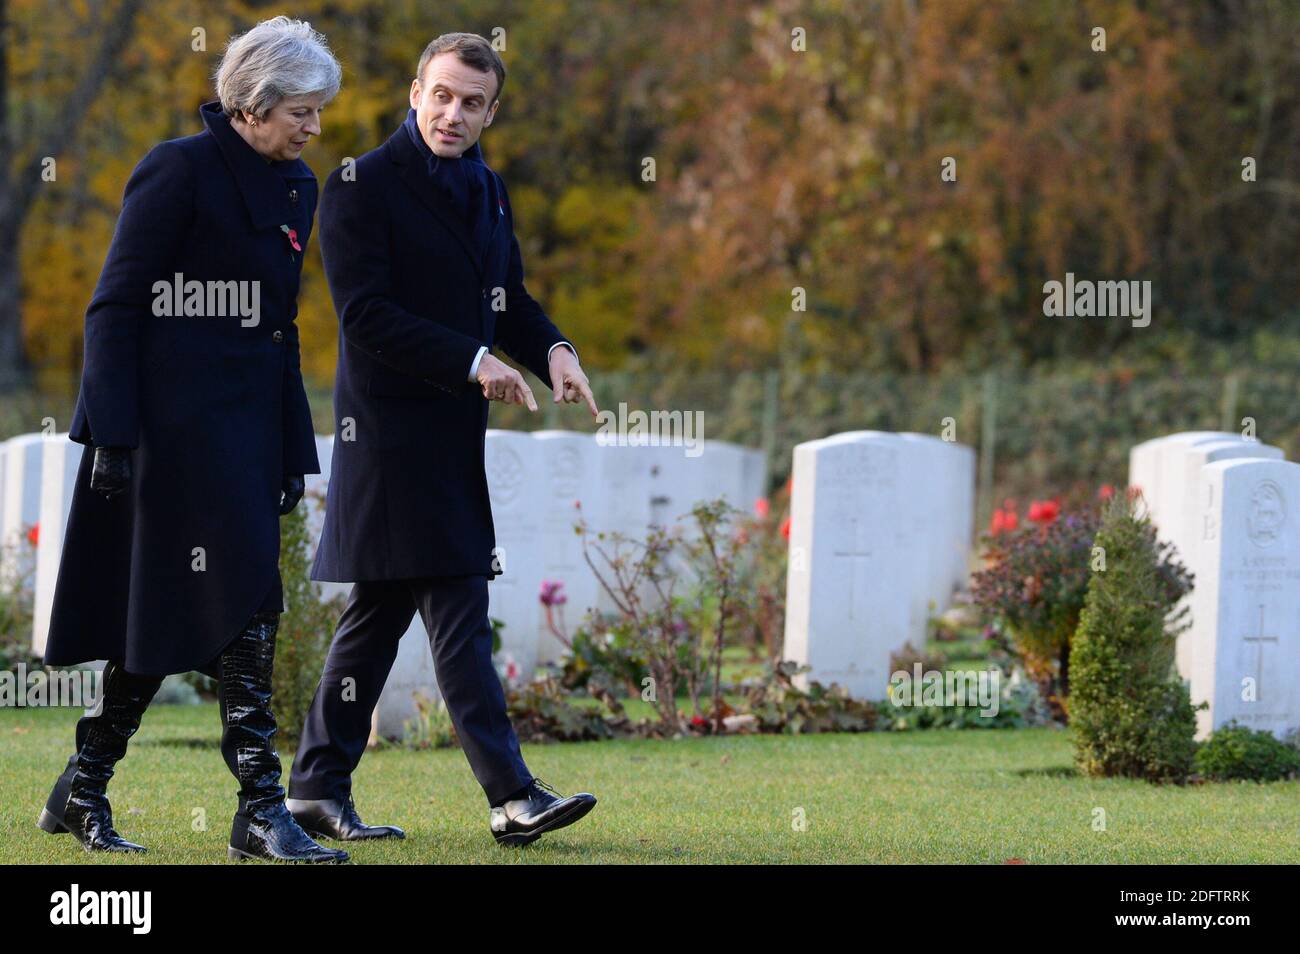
(471, 49)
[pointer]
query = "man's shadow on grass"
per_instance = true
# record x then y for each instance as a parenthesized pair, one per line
(1050, 771)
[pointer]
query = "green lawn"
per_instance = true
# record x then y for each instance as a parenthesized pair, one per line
(941, 796)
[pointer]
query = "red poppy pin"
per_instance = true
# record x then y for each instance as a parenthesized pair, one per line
(293, 237)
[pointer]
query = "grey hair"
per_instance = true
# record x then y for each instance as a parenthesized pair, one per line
(274, 60)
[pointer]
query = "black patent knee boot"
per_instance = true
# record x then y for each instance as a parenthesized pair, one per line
(79, 802)
(263, 827)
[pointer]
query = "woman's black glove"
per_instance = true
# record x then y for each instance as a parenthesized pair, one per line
(293, 491)
(111, 474)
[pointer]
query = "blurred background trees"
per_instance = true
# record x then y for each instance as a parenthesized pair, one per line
(774, 169)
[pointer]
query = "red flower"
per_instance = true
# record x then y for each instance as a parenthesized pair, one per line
(785, 528)
(699, 721)
(293, 237)
(552, 593)
(1044, 511)
(762, 507)
(1106, 492)
(1003, 521)
(34, 534)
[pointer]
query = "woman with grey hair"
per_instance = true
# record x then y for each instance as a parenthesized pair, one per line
(192, 398)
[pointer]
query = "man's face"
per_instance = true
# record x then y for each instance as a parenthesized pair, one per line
(452, 103)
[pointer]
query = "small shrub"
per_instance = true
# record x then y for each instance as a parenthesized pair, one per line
(1235, 752)
(1130, 713)
(430, 728)
(306, 626)
(1034, 584)
(541, 711)
(781, 706)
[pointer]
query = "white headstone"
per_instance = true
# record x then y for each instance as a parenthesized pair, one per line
(570, 474)
(318, 484)
(625, 485)
(411, 680)
(1246, 602)
(848, 603)
(60, 459)
(679, 482)
(1145, 460)
(1180, 482)
(4, 450)
(534, 481)
(1182, 515)
(946, 494)
(314, 500)
(516, 486)
(734, 473)
(21, 506)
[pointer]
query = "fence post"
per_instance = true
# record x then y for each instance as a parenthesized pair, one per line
(771, 408)
(1228, 409)
(988, 436)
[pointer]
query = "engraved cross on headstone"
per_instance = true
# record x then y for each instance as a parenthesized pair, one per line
(855, 553)
(1259, 640)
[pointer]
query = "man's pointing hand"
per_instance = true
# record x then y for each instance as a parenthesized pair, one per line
(568, 380)
(501, 382)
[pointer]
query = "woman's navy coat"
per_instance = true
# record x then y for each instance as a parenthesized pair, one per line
(415, 298)
(164, 577)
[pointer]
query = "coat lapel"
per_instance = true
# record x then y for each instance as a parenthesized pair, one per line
(411, 168)
(261, 183)
(496, 211)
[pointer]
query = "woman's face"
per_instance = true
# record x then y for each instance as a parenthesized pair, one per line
(285, 130)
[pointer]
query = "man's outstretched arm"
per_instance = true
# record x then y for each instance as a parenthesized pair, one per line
(355, 247)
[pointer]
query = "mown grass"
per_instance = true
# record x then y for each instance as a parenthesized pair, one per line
(978, 796)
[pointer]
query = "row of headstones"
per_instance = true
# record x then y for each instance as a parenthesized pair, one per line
(535, 481)
(880, 539)
(1226, 504)
(880, 532)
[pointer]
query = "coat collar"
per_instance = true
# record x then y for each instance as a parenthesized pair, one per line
(260, 182)
(413, 171)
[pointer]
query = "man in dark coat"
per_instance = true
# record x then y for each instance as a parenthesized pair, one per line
(162, 579)
(426, 275)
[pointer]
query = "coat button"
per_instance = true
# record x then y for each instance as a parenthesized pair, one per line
(277, 336)
(293, 195)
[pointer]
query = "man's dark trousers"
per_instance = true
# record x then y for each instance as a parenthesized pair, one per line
(454, 610)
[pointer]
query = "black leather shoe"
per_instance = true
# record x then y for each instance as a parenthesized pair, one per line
(270, 832)
(522, 821)
(263, 827)
(338, 819)
(79, 801)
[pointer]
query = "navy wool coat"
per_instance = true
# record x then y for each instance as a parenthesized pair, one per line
(415, 299)
(162, 578)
